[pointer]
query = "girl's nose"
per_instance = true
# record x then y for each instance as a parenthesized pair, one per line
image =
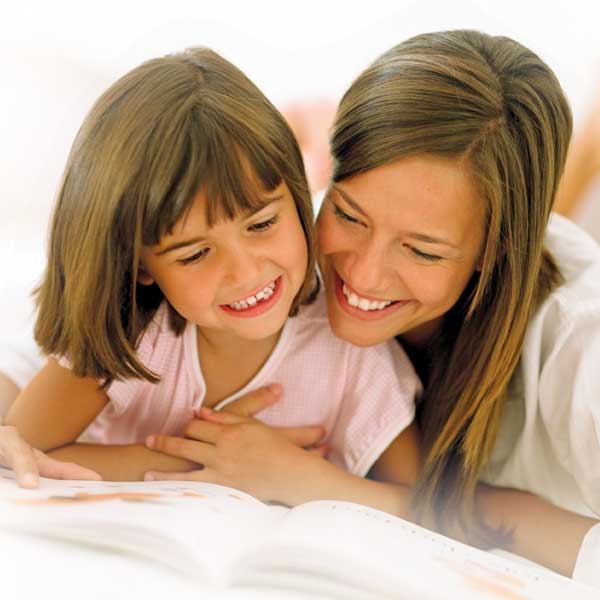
(242, 266)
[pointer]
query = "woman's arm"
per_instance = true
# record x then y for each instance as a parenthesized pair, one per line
(541, 532)
(56, 407)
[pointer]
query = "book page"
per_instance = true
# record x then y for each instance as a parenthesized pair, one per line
(198, 528)
(362, 552)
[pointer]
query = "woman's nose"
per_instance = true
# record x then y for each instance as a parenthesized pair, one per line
(367, 269)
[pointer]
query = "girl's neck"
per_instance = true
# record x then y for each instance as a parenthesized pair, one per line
(229, 362)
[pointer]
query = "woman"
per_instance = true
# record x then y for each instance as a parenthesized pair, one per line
(447, 154)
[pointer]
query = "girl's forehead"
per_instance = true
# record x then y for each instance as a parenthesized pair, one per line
(197, 214)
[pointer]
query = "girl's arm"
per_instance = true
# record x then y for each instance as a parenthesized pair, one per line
(272, 465)
(56, 407)
(542, 532)
(120, 462)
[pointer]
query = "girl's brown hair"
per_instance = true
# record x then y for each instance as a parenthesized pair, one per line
(166, 129)
(496, 105)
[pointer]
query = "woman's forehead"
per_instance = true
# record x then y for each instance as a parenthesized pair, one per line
(422, 194)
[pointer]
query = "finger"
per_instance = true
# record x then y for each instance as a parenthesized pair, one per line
(204, 431)
(221, 417)
(56, 469)
(191, 450)
(321, 451)
(206, 475)
(303, 436)
(252, 403)
(18, 455)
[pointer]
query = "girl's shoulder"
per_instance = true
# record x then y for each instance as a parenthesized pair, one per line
(158, 337)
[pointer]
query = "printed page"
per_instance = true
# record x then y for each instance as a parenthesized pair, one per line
(345, 549)
(197, 528)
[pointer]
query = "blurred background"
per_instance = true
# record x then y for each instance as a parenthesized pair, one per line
(56, 57)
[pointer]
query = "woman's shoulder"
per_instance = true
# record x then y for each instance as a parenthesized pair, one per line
(572, 310)
(577, 255)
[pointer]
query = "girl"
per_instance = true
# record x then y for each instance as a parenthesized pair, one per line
(180, 244)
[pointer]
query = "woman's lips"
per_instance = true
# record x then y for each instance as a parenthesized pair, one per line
(366, 315)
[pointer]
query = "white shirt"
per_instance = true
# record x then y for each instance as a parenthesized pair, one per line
(549, 439)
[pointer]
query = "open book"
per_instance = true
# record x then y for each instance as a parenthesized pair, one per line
(329, 548)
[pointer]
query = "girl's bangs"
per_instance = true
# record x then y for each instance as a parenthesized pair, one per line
(233, 171)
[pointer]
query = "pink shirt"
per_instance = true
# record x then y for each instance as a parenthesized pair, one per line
(363, 397)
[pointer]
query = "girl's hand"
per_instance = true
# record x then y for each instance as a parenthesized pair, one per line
(245, 454)
(29, 463)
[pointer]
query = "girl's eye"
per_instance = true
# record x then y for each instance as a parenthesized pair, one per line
(343, 216)
(264, 225)
(424, 255)
(194, 258)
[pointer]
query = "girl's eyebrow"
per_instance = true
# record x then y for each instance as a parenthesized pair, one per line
(267, 201)
(195, 240)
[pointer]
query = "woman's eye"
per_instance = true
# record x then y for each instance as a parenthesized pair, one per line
(264, 225)
(195, 257)
(425, 255)
(343, 216)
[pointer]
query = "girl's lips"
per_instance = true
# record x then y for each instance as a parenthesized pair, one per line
(260, 307)
(371, 315)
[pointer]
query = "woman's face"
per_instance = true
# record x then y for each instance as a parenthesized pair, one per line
(398, 244)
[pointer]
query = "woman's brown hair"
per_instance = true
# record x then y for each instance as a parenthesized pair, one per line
(496, 105)
(166, 129)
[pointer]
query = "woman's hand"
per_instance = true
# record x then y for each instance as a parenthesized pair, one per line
(539, 530)
(29, 463)
(242, 453)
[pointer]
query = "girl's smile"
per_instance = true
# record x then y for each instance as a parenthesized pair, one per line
(256, 304)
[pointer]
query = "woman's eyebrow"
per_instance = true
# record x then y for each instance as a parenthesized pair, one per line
(349, 201)
(423, 237)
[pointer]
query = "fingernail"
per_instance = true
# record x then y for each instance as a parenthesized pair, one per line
(149, 477)
(276, 388)
(29, 480)
(150, 441)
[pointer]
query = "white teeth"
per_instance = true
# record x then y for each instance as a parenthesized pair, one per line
(250, 301)
(363, 303)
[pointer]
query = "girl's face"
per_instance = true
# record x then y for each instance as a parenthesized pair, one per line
(398, 244)
(238, 277)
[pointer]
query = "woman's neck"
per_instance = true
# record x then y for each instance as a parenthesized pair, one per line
(419, 343)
